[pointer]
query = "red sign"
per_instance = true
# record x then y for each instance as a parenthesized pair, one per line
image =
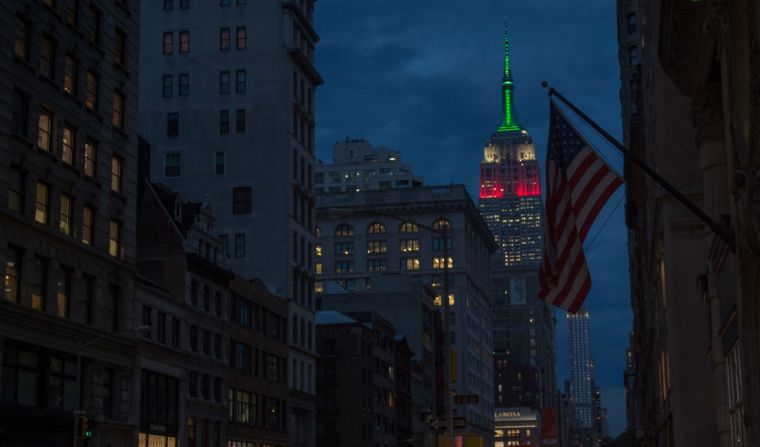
(549, 434)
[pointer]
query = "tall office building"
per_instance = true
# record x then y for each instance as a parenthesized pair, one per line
(511, 205)
(228, 107)
(68, 157)
(581, 368)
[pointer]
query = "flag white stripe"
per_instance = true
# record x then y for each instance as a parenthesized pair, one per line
(579, 159)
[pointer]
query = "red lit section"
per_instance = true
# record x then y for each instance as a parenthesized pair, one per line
(491, 186)
(528, 181)
(521, 180)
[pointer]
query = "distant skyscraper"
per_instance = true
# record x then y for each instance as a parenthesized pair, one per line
(510, 202)
(581, 368)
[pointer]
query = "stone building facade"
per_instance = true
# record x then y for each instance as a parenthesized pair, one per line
(68, 151)
(228, 107)
(694, 117)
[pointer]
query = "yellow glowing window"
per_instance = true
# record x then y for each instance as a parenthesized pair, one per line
(438, 262)
(437, 300)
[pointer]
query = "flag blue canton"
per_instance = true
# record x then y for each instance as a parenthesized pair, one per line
(564, 140)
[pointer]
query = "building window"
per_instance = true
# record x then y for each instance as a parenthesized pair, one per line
(224, 82)
(172, 125)
(114, 307)
(168, 5)
(240, 120)
(224, 39)
(409, 245)
(630, 20)
(94, 16)
(344, 230)
(72, 12)
(70, 69)
(20, 113)
(16, 180)
(344, 249)
(90, 157)
(172, 164)
(167, 86)
(184, 4)
(118, 109)
(114, 238)
(376, 247)
(45, 131)
(240, 81)
(88, 222)
(64, 221)
(240, 245)
(23, 38)
(91, 102)
(47, 57)
(440, 224)
(168, 43)
(408, 227)
(633, 55)
(241, 200)
(42, 203)
(376, 228)
(120, 49)
(184, 41)
(39, 288)
(117, 169)
(224, 121)
(344, 266)
(410, 264)
(438, 243)
(184, 84)
(63, 296)
(377, 265)
(191, 437)
(438, 262)
(218, 163)
(318, 268)
(67, 145)
(241, 37)
(12, 274)
(318, 250)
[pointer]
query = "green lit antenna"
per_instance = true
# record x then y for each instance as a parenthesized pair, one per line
(508, 122)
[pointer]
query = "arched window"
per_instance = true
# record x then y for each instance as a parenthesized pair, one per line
(408, 227)
(344, 230)
(441, 223)
(376, 228)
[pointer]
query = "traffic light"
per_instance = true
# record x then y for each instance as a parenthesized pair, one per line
(84, 428)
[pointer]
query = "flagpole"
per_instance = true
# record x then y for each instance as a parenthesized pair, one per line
(720, 231)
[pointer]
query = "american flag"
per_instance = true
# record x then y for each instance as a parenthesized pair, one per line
(578, 184)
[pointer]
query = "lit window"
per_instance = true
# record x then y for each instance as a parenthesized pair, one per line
(117, 169)
(440, 224)
(344, 249)
(410, 263)
(376, 228)
(408, 227)
(410, 246)
(90, 154)
(88, 216)
(224, 39)
(344, 230)
(168, 43)
(118, 109)
(91, 102)
(318, 268)
(65, 215)
(375, 247)
(41, 203)
(318, 287)
(12, 274)
(318, 250)
(438, 262)
(45, 135)
(114, 238)
(437, 300)
(184, 41)
(120, 49)
(241, 37)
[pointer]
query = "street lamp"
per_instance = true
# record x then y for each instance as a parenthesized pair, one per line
(448, 346)
(82, 344)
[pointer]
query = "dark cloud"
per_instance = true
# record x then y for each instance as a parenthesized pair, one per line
(423, 76)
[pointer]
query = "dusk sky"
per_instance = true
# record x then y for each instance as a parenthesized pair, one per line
(424, 77)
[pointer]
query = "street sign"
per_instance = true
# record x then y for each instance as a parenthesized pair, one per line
(442, 423)
(466, 399)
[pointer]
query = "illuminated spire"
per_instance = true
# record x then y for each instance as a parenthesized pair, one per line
(508, 122)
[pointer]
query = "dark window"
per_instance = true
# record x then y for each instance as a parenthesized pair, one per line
(218, 346)
(113, 308)
(94, 17)
(207, 342)
(118, 109)
(241, 37)
(184, 84)
(240, 245)
(168, 43)
(184, 4)
(23, 38)
(91, 102)
(146, 317)
(240, 82)
(240, 120)
(219, 162)
(218, 304)
(184, 41)
(224, 2)
(241, 200)
(224, 39)
(168, 5)
(224, 121)
(175, 332)
(167, 86)
(72, 12)
(159, 398)
(205, 390)
(633, 55)
(241, 2)
(172, 164)
(16, 181)
(120, 48)
(13, 264)
(217, 398)
(192, 385)
(206, 298)
(193, 293)
(89, 297)
(20, 113)
(47, 57)
(161, 327)
(193, 335)
(172, 125)
(631, 22)
(224, 82)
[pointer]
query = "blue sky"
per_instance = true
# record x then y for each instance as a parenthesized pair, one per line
(424, 76)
